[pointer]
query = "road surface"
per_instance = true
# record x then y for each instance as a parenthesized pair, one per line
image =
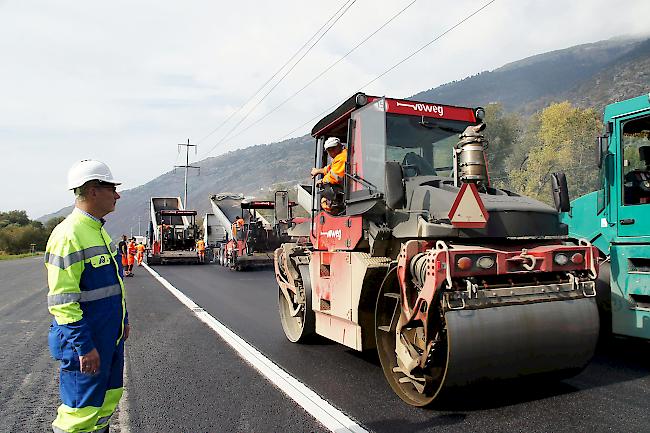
(182, 377)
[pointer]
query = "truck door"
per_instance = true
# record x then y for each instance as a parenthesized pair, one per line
(634, 175)
(368, 151)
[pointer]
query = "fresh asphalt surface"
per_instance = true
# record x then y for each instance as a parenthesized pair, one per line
(612, 394)
(181, 377)
(28, 376)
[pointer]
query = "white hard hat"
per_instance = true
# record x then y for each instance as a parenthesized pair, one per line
(331, 142)
(87, 170)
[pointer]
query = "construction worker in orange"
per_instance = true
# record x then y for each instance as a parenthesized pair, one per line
(200, 249)
(131, 249)
(333, 175)
(237, 226)
(139, 255)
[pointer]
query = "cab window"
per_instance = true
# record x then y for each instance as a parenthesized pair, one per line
(635, 142)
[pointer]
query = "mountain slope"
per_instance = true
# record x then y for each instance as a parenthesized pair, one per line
(589, 75)
(572, 73)
(251, 171)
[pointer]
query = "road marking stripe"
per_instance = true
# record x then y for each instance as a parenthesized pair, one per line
(123, 419)
(315, 405)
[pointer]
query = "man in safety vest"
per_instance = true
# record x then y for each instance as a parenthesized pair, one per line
(131, 250)
(200, 249)
(139, 255)
(334, 173)
(87, 299)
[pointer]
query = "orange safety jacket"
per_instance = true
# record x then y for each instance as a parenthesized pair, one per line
(335, 171)
(140, 248)
(200, 245)
(131, 248)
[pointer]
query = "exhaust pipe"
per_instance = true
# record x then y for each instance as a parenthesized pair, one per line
(470, 164)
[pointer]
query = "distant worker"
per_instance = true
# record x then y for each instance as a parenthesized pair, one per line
(131, 250)
(200, 250)
(125, 255)
(86, 297)
(139, 255)
(333, 175)
(237, 226)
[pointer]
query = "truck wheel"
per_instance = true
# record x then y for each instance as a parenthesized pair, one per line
(387, 314)
(298, 325)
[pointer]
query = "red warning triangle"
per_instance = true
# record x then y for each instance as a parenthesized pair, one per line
(468, 210)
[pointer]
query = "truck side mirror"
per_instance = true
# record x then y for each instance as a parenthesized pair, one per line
(602, 143)
(394, 185)
(560, 192)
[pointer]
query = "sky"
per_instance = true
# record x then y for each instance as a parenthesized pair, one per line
(124, 82)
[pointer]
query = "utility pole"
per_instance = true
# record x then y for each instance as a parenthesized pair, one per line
(187, 165)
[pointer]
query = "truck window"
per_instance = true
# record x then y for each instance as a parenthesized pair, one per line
(635, 142)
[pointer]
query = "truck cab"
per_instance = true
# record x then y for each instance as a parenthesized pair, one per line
(615, 217)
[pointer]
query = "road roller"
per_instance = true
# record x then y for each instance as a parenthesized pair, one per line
(453, 281)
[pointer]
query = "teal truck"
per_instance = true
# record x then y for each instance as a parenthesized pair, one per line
(616, 217)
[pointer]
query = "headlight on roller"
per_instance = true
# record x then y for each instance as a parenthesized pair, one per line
(561, 259)
(485, 262)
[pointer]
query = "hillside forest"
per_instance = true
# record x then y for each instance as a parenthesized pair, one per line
(524, 151)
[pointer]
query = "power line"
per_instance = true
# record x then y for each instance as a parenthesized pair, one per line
(392, 67)
(281, 78)
(276, 72)
(274, 109)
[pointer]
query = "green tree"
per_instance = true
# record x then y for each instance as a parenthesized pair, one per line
(563, 141)
(19, 232)
(503, 131)
(14, 217)
(18, 239)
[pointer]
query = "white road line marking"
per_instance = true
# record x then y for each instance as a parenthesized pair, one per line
(123, 418)
(315, 405)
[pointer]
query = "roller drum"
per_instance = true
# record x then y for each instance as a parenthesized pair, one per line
(519, 340)
(469, 344)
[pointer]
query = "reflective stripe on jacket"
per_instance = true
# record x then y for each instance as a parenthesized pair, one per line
(335, 172)
(84, 273)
